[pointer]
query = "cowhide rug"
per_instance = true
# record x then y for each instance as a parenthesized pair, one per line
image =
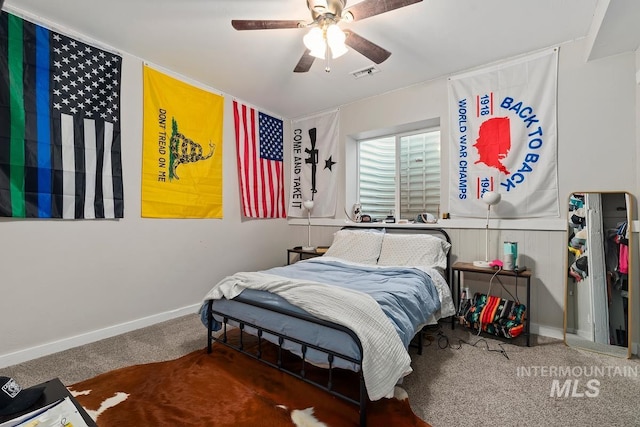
(226, 388)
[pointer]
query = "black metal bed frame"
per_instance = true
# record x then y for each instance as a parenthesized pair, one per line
(331, 355)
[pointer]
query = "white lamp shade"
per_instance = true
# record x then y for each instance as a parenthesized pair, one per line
(308, 204)
(314, 40)
(339, 50)
(335, 39)
(318, 53)
(335, 35)
(491, 198)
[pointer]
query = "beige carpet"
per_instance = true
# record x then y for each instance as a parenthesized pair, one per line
(459, 385)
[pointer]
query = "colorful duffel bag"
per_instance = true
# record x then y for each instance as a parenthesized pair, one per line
(495, 315)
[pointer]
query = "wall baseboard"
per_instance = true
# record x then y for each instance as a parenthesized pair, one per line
(89, 337)
(547, 331)
(93, 336)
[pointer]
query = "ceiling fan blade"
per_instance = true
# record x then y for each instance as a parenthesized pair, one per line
(256, 24)
(369, 8)
(305, 63)
(367, 48)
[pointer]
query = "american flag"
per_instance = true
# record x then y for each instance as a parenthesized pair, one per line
(60, 151)
(259, 143)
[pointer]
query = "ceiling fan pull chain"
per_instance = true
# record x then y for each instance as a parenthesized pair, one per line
(329, 54)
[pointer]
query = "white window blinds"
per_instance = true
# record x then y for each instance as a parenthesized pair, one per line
(408, 182)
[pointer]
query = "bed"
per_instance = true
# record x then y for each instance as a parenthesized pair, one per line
(358, 308)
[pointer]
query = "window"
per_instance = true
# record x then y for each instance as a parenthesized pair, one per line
(400, 174)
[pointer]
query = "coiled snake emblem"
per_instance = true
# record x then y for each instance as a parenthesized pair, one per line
(185, 150)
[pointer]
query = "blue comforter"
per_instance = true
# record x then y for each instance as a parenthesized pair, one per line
(406, 295)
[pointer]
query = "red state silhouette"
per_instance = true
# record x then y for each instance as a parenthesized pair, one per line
(494, 142)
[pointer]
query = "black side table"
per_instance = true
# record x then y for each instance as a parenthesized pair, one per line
(470, 268)
(304, 254)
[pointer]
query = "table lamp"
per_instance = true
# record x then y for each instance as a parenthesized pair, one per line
(490, 198)
(308, 205)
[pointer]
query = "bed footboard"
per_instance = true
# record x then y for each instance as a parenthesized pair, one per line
(304, 346)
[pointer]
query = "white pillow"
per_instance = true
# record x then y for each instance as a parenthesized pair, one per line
(414, 250)
(356, 246)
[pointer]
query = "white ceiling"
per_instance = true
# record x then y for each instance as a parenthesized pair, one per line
(428, 40)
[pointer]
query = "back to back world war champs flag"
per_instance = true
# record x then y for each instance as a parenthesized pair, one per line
(504, 138)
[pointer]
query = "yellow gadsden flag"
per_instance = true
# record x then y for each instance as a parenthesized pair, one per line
(182, 149)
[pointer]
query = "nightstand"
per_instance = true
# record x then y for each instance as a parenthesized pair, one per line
(304, 254)
(468, 267)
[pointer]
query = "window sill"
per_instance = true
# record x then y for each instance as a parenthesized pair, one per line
(540, 224)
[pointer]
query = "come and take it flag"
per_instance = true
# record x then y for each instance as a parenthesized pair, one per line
(259, 143)
(504, 138)
(182, 149)
(314, 165)
(59, 125)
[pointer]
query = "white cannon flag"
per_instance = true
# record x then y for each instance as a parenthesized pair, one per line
(314, 165)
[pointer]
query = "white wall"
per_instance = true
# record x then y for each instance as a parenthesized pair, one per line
(69, 282)
(65, 283)
(597, 151)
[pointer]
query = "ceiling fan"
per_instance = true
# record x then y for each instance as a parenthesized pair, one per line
(325, 39)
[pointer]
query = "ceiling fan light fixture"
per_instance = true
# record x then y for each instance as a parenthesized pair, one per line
(318, 53)
(325, 14)
(335, 40)
(314, 40)
(338, 50)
